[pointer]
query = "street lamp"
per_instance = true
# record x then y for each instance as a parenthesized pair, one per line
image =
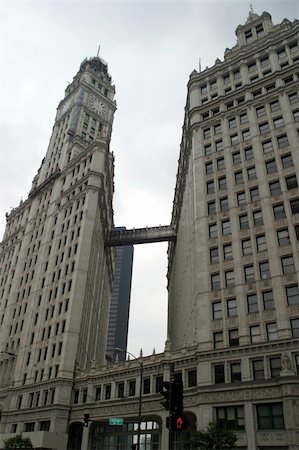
(140, 393)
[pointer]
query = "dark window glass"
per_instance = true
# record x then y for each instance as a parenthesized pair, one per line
(233, 337)
(275, 366)
(271, 166)
(291, 182)
(258, 369)
(252, 304)
(230, 417)
(235, 372)
(270, 416)
(278, 211)
(292, 293)
(287, 161)
(268, 300)
(219, 375)
(275, 188)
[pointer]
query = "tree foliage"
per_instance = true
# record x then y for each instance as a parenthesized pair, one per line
(17, 441)
(214, 437)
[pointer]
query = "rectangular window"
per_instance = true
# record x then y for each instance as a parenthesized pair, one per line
(217, 128)
(218, 339)
(275, 366)
(268, 300)
(295, 327)
(108, 392)
(214, 255)
(232, 123)
(231, 417)
(210, 187)
(267, 146)
(192, 378)
(225, 225)
(264, 128)
(251, 173)
(235, 372)
(241, 198)
(219, 145)
(206, 133)
(236, 158)
(264, 270)
(287, 264)
(222, 183)
(243, 221)
(209, 168)
(258, 369)
(234, 139)
(282, 141)
(296, 115)
(232, 310)
(211, 208)
(252, 304)
(227, 252)
(233, 337)
(283, 237)
(275, 188)
(272, 333)
(255, 334)
(220, 164)
(229, 278)
(246, 247)
(215, 281)
(208, 149)
(261, 244)
(278, 211)
(260, 111)
(271, 166)
(243, 118)
(249, 274)
(120, 390)
(224, 204)
(217, 310)
(287, 161)
(295, 205)
(254, 194)
(246, 135)
(274, 106)
(248, 151)
(293, 98)
(291, 182)
(239, 177)
(219, 375)
(292, 293)
(270, 416)
(213, 231)
(146, 385)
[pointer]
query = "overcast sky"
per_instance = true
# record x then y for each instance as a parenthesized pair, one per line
(151, 48)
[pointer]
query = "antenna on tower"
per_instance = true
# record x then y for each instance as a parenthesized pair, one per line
(251, 8)
(199, 65)
(98, 54)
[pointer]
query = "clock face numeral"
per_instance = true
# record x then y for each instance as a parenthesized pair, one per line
(98, 106)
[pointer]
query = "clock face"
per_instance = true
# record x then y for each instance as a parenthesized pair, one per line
(98, 106)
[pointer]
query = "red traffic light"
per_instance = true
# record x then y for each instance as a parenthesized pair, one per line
(179, 423)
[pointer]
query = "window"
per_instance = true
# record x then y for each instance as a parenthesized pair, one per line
(236, 158)
(232, 310)
(275, 188)
(209, 168)
(206, 133)
(272, 333)
(278, 211)
(267, 146)
(254, 194)
(146, 385)
(251, 173)
(229, 278)
(225, 227)
(234, 139)
(264, 61)
(248, 36)
(292, 293)
(264, 270)
(274, 106)
(107, 391)
(243, 220)
(120, 390)
(295, 327)
(261, 244)
(291, 182)
(231, 417)
(192, 378)
(227, 252)
(268, 300)
(235, 372)
(222, 183)
(219, 145)
(248, 153)
(215, 281)
(260, 111)
(241, 198)
(208, 149)
(220, 164)
(282, 140)
(217, 310)
(214, 255)
(29, 426)
(233, 337)
(204, 89)
(270, 416)
(275, 366)
(98, 393)
(218, 339)
(293, 47)
(297, 231)
(252, 305)
(219, 375)
(264, 128)
(255, 334)
(213, 231)
(217, 128)
(210, 187)
(287, 161)
(258, 369)
(296, 115)
(293, 98)
(246, 135)
(224, 204)
(226, 78)
(283, 237)
(239, 177)
(294, 205)
(287, 264)
(232, 123)
(246, 247)
(249, 274)
(211, 208)
(252, 67)
(243, 118)
(271, 166)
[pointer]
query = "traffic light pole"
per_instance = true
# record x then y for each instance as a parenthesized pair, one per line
(171, 433)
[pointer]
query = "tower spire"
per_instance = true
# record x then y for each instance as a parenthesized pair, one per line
(98, 53)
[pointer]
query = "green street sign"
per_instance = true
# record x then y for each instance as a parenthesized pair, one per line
(116, 421)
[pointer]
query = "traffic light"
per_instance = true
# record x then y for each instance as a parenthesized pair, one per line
(165, 391)
(85, 420)
(176, 423)
(176, 403)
